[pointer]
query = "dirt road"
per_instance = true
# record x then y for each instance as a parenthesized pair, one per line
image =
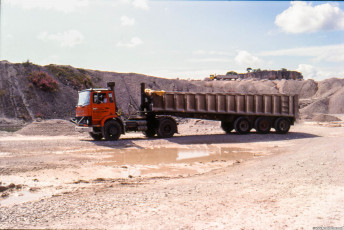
(200, 179)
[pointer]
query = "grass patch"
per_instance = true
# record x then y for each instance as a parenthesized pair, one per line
(11, 129)
(2, 92)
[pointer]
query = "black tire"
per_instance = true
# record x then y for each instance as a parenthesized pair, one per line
(96, 136)
(149, 132)
(282, 125)
(227, 126)
(112, 130)
(242, 125)
(167, 127)
(262, 125)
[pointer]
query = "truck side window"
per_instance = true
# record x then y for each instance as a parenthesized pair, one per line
(110, 98)
(99, 98)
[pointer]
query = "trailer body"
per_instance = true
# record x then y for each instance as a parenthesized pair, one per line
(97, 111)
(218, 106)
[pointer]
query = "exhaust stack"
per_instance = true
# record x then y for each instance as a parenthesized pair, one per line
(111, 85)
(143, 97)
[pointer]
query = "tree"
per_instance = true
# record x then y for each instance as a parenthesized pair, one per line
(231, 73)
(249, 69)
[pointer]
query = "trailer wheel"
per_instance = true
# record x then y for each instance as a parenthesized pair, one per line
(262, 125)
(227, 126)
(96, 136)
(282, 125)
(242, 125)
(167, 127)
(112, 130)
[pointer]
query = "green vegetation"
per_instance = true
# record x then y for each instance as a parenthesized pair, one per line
(43, 81)
(231, 73)
(27, 63)
(2, 92)
(39, 115)
(77, 78)
(11, 128)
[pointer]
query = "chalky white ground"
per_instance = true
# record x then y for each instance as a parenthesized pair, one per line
(292, 181)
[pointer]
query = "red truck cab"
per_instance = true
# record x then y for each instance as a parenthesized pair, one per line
(96, 113)
(94, 107)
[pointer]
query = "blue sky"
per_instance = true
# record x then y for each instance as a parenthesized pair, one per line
(176, 39)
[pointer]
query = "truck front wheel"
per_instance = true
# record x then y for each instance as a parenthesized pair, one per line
(96, 136)
(167, 128)
(112, 130)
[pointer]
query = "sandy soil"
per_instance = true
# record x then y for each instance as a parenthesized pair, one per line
(199, 179)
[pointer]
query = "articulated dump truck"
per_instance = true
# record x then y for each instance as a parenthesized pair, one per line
(98, 114)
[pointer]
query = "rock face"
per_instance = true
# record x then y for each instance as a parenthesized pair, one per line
(22, 98)
(273, 75)
(325, 118)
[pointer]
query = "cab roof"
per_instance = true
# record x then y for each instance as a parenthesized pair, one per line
(95, 89)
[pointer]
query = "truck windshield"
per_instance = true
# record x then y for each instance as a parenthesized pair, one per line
(84, 98)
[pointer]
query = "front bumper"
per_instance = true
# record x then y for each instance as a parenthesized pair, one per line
(82, 129)
(81, 124)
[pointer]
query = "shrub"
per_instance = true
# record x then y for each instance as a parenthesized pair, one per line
(27, 63)
(231, 73)
(43, 81)
(2, 92)
(39, 115)
(77, 78)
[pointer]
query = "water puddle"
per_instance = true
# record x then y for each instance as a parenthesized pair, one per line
(23, 196)
(157, 156)
(171, 162)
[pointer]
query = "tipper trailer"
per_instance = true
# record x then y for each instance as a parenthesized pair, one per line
(98, 113)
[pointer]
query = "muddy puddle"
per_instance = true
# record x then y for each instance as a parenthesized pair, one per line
(157, 156)
(23, 196)
(126, 163)
(172, 162)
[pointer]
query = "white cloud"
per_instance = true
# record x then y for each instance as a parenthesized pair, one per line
(209, 60)
(135, 41)
(68, 38)
(142, 4)
(303, 17)
(212, 52)
(194, 74)
(330, 53)
(66, 6)
(200, 52)
(308, 71)
(317, 73)
(244, 58)
(126, 21)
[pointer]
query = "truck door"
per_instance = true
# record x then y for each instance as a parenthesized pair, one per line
(101, 107)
